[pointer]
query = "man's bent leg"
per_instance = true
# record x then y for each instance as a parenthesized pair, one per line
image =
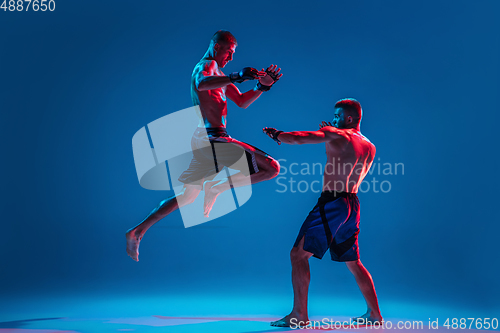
(300, 281)
(165, 207)
(268, 169)
(367, 288)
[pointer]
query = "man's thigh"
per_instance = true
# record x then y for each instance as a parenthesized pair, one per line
(231, 153)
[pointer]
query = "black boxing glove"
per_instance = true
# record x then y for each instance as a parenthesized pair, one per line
(247, 73)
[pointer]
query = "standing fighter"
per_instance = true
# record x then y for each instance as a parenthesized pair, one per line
(209, 88)
(334, 222)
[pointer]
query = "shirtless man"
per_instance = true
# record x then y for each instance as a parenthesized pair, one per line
(209, 88)
(334, 221)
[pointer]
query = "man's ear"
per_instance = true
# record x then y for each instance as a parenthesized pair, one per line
(349, 119)
(216, 48)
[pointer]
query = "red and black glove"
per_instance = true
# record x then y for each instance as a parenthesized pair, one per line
(272, 76)
(247, 73)
(272, 133)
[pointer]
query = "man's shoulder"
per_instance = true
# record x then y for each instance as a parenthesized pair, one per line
(336, 133)
(365, 141)
(353, 135)
(207, 63)
(336, 137)
(364, 138)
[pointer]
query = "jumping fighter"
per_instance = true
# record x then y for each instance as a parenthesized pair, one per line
(334, 222)
(209, 89)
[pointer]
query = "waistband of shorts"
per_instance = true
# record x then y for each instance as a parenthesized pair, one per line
(214, 131)
(335, 194)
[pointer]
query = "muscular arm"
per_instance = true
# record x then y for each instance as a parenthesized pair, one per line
(206, 79)
(303, 137)
(242, 100)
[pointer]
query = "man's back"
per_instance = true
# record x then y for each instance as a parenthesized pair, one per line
(348, 160)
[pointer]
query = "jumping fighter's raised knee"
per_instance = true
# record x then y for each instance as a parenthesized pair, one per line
(210, 88)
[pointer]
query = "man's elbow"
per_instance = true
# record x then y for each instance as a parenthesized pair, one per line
(242, 104)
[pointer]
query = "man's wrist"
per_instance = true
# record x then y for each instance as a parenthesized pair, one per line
(276, 135)
(262, 87)
(273, 133)
(233, 76)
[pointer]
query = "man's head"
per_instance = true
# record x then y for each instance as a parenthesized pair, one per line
(347, 114)
(222, 46)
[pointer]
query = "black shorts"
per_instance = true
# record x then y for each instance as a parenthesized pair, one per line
(332, 224)
(213, 149)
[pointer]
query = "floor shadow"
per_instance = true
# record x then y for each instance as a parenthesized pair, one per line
(271, 329)
(21, 323)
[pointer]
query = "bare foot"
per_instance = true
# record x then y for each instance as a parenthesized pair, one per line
(133, 241)
(211, 193)
(291, 321)
(368, 318)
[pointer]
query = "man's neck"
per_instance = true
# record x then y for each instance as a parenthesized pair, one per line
(357, 128)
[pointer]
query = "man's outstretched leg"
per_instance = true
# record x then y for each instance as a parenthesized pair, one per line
(268, 169)
(365, 284)
(165, 207)
(300, 281)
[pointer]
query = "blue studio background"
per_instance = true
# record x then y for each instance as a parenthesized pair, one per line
(77, 83)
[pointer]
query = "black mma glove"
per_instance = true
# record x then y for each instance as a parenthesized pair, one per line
(275, 75)
(247, 73)
(272, 133)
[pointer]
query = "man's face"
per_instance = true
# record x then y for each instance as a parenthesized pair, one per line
(224, 54)
(338, 118)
